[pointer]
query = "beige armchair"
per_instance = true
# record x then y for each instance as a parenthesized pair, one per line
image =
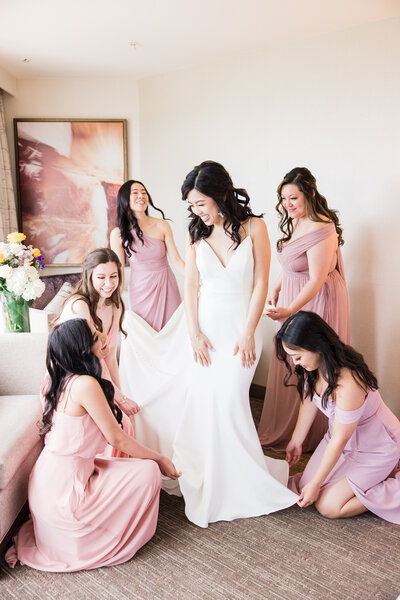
(22, 369)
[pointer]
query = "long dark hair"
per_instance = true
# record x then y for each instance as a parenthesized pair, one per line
(69, 353)
(84, 289)
(213, 180)
(306, 330)
(126, 219)
(316, 204)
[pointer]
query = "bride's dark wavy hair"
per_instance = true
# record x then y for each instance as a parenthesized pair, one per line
(69, 353)
(316, 204)
(126, 220)
(306, 330)
(213, 180)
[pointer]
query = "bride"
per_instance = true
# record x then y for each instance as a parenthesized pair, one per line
(197, 411)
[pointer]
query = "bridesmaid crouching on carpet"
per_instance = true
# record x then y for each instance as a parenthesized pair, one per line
(355, 467)
(86, 511)
(146, 241)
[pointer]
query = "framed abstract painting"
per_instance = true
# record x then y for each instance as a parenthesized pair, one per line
(68, 175)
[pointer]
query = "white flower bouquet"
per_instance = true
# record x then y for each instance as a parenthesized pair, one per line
(20, 284)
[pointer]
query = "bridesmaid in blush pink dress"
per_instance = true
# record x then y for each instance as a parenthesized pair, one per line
(97, 299)
(356, 466)
(146, 241)
(87, 511)
(312, 278)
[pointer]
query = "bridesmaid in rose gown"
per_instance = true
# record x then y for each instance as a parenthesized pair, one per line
(356, 466)
(146, 241)
(86, 511)
(97, 299)
(312, 278)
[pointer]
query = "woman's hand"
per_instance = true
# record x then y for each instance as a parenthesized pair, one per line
(129, 407)
(247, 348)
(293, 452)
(277, 313)
(201, 346)
(309, 494)
(273, 297)
(167, 468)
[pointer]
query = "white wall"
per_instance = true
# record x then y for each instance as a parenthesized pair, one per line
(330, 103)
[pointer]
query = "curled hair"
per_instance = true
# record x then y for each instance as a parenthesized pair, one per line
(316, 204)
(213, 180)
(126, 220)
(85, 291)
(69, 353)
(308, 331)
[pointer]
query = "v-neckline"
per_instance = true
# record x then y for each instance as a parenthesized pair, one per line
(233, 253)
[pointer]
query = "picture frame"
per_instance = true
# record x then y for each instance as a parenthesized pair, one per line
(69, 172)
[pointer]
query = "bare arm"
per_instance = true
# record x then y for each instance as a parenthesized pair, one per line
(307, 413)
(319, 260)
(92, 400)
(273, 293)
(262, 258)
(116, 245)
(200, 343)
(349, 396)
(172, 250)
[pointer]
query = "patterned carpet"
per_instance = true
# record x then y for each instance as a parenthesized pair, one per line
(290, 555)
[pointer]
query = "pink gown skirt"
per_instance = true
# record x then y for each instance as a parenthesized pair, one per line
(370, 456)
(153, 290)
(86, 512)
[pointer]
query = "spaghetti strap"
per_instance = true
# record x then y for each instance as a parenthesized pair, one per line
(68, 393)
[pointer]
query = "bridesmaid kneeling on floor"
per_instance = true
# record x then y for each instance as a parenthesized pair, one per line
(355, 466)
(86, 512)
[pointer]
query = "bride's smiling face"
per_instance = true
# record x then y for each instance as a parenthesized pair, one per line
(204, 207)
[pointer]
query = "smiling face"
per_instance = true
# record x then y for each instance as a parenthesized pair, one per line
(310, 361)
(204, 207)
(105, 279)
(294, 201)
(138, 200)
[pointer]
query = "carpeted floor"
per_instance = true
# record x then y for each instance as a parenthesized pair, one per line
(290, 555)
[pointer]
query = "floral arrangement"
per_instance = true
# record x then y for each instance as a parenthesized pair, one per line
(19, 268)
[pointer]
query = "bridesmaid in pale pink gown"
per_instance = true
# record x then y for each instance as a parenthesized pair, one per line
(356, 466)
(146, 241)
(97, 299)
(312, 278)
(86, 511)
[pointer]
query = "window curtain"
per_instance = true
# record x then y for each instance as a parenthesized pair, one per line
(8, 213)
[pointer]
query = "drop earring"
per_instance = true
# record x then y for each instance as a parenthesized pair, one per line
(221, 214)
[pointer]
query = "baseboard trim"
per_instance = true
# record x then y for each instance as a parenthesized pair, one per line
(257, 391)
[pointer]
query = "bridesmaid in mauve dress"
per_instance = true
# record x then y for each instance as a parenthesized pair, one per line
(356, 466)
(87, 511)
(312, 278)
(146, 241)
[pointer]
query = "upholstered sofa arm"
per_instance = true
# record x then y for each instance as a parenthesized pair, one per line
(22, 363)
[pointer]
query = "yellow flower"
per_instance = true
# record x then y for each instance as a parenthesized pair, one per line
(2, 257)
(36, 252)
(16, 237)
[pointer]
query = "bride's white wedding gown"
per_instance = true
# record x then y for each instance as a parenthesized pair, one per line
(200, 416)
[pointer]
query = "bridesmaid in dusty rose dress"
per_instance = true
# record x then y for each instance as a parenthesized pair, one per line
(312, 279)
(146, 241)
(87, 511)
(356, 466)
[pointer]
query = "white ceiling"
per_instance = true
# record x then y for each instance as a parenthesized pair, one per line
(91, 38)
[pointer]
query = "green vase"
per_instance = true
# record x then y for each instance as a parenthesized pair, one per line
(15, 313)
